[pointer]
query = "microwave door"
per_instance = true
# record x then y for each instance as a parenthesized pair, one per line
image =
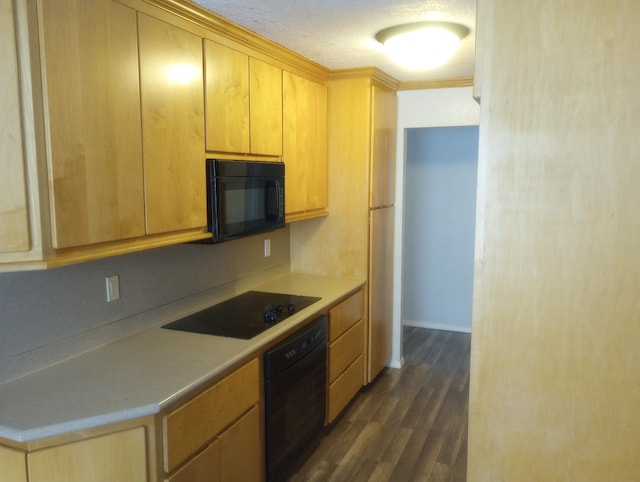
(231, 207)
(248, 205)
(244, 198)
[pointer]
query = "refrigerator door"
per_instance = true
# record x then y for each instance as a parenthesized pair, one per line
(380, 289)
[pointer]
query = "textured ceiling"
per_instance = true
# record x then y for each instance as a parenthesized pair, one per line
(340, 34)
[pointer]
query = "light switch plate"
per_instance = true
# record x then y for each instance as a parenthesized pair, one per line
(267, 248)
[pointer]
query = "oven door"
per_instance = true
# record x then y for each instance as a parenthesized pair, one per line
(295, 402)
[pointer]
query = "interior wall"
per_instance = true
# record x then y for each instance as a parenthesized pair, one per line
(422, 108)
(554, 385)
(439, 228)
(53, 314)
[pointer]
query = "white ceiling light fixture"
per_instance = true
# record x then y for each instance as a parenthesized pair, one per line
(422, 45)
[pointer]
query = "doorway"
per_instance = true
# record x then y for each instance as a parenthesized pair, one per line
(439, 227)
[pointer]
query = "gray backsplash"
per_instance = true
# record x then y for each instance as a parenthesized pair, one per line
(46, 316)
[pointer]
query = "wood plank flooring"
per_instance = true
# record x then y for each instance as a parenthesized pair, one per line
(409, 424)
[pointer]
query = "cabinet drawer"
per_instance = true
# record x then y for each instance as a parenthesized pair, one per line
(344, 315)
(195, 423)
(345, 350)
(344, 388)
(204, 466)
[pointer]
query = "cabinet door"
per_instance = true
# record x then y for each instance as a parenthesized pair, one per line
(172, 85)
(119, 456)
(204, 467)
(383, 125)
(13, 465)
(380, 289)
(227, 97)
(266, 108)
(317, 167)
(241, 450)
(305, 144)
(92, 97)
(14, 221)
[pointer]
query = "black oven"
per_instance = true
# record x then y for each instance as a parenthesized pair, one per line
(295, 398)
(244, 197)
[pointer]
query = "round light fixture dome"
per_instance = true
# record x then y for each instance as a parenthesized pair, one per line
(422, 45)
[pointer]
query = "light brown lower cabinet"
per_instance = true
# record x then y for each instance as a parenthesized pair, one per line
(234, 455)
(217, 434)
(13, 465)
(346, 353)
(120, 456)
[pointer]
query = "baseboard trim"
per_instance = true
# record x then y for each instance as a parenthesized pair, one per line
(396, 363)
(436, 326)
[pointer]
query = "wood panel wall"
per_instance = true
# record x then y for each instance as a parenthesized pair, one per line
(555, 364)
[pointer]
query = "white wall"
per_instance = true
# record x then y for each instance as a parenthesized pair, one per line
(422, 108)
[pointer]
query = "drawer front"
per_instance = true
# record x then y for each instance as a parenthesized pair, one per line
(345, 350)
(195, 423)
(344, 388)
(344, 315)
(205, 466)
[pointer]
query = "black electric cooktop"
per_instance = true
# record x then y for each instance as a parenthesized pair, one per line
(243, 316)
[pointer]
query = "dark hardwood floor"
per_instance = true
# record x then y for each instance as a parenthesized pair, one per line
(409, 424)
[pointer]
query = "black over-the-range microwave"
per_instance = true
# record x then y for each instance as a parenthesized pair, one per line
(244, 197)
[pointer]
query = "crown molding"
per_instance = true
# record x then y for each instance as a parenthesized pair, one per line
(436, 83)
(225, 28)
(374, 73)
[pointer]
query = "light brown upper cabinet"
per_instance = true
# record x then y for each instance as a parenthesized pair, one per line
(102, 123)
(14, 218)
(243, 102)
(171, 80)
(265, 94)
(92, 97)
(227, 97)
(305, 147)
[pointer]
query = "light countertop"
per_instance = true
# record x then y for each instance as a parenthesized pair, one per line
(141, 374)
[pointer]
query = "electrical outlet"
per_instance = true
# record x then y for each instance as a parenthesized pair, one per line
(267, 248)
(113, 287)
